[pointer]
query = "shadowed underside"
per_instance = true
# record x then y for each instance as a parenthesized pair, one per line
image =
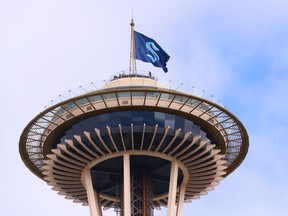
(201, 164)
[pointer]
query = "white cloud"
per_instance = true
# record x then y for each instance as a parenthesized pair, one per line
(234, 49)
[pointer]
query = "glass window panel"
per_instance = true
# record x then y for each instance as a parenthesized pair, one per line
(188, 125)
(180, 98)
(148, 118)
(203, 135)
(179, 122)
(123, 94)
(138, 94)
(192, 101)
(138, 120)
(153, 94)
(69, 106)
(204, 106)
(95, 98)
(104, 118)
(196, 129)
(109, 96)
(81, 101)
(159, 116)
(170, 121)
(115, 118)
(166, 96)
(125, 118)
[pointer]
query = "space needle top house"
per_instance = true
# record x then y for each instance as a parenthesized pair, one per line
(134, 144)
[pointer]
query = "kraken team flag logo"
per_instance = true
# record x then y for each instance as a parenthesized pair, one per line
(148, 50)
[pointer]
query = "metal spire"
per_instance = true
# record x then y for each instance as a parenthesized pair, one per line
(132, 68)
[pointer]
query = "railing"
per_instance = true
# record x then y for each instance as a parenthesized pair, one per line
(169, 84)
(53, 117)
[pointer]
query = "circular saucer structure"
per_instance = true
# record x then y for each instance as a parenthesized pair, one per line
(134, 145)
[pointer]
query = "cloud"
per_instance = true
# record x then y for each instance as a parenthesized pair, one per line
(236, 50)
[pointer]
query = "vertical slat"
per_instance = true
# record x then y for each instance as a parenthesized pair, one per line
(163, 138)
(187, 134)
(154, 134)
(88, 136)
(132, 137)
(122, 139)
(79, 140)
(172, 141)
(111, 138)
(102, 141)
(71, 144)
(143, 136)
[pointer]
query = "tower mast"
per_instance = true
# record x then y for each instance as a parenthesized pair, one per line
(132, 67)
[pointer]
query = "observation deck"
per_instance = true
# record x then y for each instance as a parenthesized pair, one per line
(135, 115)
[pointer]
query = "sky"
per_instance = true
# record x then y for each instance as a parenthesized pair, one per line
(236, 50)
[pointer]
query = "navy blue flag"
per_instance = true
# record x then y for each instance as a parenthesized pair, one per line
(148, 50)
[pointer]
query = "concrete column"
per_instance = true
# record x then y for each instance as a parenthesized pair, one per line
(180, 202)
(93, 198)
(172, 189)
(127, 185)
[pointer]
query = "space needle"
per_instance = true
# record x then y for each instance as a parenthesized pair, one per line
(134, 144)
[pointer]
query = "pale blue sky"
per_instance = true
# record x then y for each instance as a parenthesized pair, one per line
(237, 50)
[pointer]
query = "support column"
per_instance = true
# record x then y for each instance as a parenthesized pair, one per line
(180, 202)
(172, 189)
(127, 185)
(93, 197)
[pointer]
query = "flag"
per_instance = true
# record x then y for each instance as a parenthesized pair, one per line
(148, 50)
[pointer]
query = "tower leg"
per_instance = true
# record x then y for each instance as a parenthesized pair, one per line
(93, 197)
(180, 202)
(127, 185)
(172, 189)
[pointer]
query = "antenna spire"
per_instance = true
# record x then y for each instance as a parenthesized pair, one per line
(132, 68)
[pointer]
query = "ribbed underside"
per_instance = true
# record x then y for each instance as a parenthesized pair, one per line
(63, 169)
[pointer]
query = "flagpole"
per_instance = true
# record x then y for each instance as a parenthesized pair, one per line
(132, 68)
